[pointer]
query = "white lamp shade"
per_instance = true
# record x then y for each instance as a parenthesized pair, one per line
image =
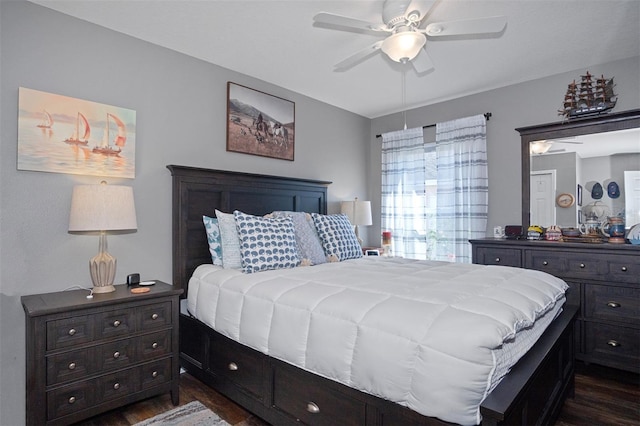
(403, 46)
(358, 212)
(102, 208)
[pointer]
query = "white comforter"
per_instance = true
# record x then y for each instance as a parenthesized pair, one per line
(423, 334)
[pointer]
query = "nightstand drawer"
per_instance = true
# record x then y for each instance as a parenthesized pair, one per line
(69, 365)
(155, 373)
(70, 399)
(117, 354)
(154, 345)
(613, 303)
(154, 316)
(116, 323)
(69, 332)
(119, 384)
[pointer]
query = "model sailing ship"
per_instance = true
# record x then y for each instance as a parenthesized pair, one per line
(589, 97)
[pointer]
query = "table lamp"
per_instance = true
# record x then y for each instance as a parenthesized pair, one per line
(100, 209)
(359, 214)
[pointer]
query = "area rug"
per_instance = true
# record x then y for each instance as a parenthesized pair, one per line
(191, 414)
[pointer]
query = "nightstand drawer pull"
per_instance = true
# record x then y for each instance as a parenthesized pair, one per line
(116, 323)
(154, 316)
(545, 263)
(72, 400)
(72, 332)
(623, 269)
(154, 374)
(312, 407)
(155, 345)
(116, 386)
(613, 304)
(497, 260)
(72, 366)
(613, 343)
(582, 265)
(233, 366)
(116, 355)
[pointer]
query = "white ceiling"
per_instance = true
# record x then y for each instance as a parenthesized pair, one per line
(276, 41)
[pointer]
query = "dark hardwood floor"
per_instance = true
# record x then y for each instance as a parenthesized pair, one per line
(603, 397)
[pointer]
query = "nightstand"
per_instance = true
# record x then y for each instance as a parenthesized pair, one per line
(87, 356)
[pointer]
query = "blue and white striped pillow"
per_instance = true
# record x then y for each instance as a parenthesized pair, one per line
(337, 236)
(266, 243)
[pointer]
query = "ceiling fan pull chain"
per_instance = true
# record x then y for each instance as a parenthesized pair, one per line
(404, 96)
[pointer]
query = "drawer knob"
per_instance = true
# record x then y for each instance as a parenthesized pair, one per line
(623, 269)
(72, 366)
(545, 263)
(72, 400)
(232, 366)
(116, 323)
(154, 316)
(116, 386)
(312, 407)
(613, 343)
(582, 265)
(497, 260)
(613, 304)
(154, 346)
(154, 374)
(116, 355)
(72, 332)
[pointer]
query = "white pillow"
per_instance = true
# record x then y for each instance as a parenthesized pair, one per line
(230, 242)
(213, 238)
(266, 243)
(309, 245)
(337, 236)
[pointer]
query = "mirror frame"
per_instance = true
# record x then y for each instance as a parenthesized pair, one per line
(576, 127)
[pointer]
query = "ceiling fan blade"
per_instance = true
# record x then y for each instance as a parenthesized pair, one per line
(358, 57)
(345, 22)
(422, 63)
(493, 24)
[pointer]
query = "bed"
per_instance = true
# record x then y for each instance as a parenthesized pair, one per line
(283, 393)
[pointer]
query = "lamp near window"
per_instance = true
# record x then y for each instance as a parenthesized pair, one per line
(100, 209)
(358, 212)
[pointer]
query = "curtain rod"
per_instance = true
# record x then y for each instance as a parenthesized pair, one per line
(487, 115)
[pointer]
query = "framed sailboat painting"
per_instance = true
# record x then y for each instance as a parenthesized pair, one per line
(59, 134)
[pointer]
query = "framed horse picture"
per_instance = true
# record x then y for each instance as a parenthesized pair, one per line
(259, 123)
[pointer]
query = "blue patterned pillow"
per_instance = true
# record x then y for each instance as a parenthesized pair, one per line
(309, 245)
(266, 243)
(213, 237)
(337, 236)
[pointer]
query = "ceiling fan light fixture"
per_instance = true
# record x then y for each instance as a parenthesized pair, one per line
(540, 147)
(403, 46)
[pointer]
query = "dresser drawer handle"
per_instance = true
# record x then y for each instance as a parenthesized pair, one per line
(613, 304)
(623, 269)
(116, 323)
(613, 343)
(232, 366)
(154, 316)
(72, 366)
(116, 386)
(72, 332)
(116, 355)
(154, 374)
(312, 407)
(154, 346)
(545, 263)
(72, 400)
(582, 265)
(497, 260)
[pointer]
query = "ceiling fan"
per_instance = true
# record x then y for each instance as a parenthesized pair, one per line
(402, 24)
(544, 146)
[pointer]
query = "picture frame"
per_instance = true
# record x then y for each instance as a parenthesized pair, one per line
(259, 123)
(579, 195)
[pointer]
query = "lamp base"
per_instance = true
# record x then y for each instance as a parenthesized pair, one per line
(102, 268)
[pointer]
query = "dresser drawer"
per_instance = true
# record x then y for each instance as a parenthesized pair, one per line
(498, 256)
(612, 303)
(154, 345)
(154, 316)
(585, 265)
(296, 395)
(120, 322)
(70, 365)
(613, 343)
(624, 269)
(547, 261)
(69, 332)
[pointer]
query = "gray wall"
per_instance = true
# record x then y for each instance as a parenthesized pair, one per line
(181, 111)
(526, 104)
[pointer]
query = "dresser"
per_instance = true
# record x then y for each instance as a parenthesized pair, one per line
(604, 280)
(85, 355)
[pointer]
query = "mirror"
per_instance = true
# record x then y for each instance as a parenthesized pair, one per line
(565, 162)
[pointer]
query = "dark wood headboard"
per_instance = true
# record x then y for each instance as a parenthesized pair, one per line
(198, 192)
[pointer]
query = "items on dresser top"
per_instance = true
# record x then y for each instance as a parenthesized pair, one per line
(604, 279)
(89, 355)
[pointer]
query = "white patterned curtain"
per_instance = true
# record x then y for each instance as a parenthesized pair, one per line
(403, 191)
(463, 192)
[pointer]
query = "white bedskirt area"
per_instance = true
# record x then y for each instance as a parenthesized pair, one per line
(436, 337)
